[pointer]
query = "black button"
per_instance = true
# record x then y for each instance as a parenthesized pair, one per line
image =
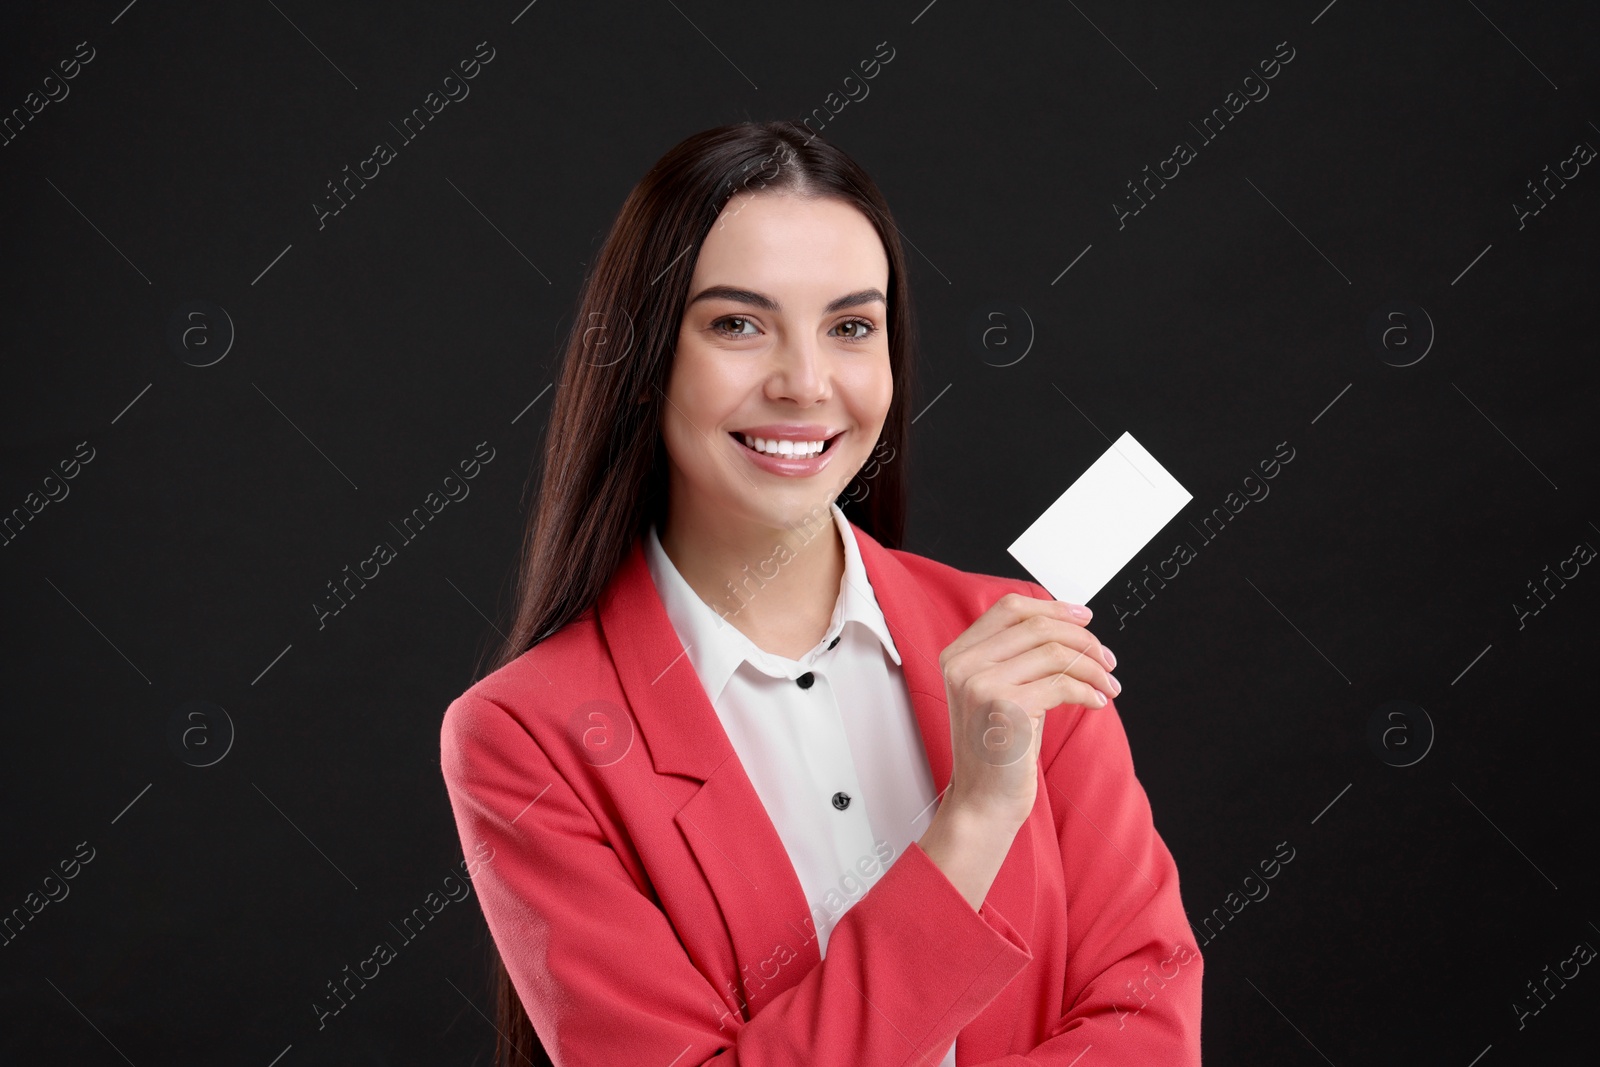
(841, 800)
(805, 680)
(835, 641)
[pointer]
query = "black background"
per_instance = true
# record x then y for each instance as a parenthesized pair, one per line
(373, 354)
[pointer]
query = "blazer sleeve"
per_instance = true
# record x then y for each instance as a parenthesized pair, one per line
(605, 979)
(1133, 969)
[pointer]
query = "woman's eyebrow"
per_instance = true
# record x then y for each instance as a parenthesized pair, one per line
(766, 303)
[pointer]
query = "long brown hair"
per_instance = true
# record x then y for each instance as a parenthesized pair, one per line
(603, 479)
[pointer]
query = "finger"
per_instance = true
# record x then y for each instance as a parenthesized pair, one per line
(1040, 630)
(1051, 661)
(1003, 613)
(1061, 689)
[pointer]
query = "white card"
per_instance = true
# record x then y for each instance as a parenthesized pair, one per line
(1100, 523)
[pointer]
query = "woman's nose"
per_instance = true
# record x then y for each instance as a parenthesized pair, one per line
(802, 370)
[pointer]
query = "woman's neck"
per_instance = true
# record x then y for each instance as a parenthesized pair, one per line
(778, 587)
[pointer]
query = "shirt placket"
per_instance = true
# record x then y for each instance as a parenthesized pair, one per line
(840, 801)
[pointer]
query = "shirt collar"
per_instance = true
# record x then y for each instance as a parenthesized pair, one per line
(716, 648)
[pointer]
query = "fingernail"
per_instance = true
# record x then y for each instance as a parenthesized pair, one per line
(1111, 657)
(1079, 610)
(1099, 699)
(1116, 684)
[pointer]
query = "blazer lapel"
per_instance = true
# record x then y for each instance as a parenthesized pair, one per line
(724, 823)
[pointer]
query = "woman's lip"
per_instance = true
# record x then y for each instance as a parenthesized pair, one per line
(787, 465)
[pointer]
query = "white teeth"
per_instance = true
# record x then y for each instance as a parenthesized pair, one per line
(782, 448)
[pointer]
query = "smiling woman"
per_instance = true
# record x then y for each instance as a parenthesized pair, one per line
(676, 793)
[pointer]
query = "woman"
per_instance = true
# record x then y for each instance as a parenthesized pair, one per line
(709, 814)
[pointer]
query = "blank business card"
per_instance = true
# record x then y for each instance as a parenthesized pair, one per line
(1100, 523)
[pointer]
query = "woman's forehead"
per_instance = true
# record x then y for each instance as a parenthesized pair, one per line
(792, 249)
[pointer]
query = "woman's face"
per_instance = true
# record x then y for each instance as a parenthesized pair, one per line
(785, 337)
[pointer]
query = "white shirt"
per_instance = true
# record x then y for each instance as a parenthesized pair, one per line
(851, 734)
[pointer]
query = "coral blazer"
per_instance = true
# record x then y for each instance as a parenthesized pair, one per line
(647, 912)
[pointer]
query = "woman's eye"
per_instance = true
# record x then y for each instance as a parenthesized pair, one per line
(719, 323)
(863, 329)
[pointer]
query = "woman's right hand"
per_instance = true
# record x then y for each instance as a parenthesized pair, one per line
(1017, 660)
